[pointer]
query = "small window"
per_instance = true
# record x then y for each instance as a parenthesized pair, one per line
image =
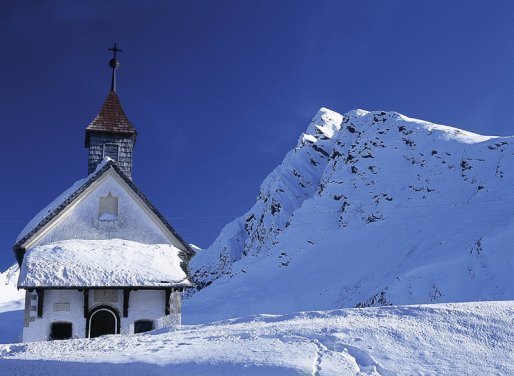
(108, 210)
(111, 151)
(106, 296)
(61, 307)
(142, 326)
(60, 330)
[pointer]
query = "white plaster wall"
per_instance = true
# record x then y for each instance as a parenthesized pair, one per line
(150, 305)
(143, 305)
(82, 222)
(39, 329)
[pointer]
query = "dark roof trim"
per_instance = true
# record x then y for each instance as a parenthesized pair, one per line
(190, 252)
(181, 286)
(19, 251)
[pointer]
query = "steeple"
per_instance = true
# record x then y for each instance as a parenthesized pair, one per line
(111, 134)
(114, 64)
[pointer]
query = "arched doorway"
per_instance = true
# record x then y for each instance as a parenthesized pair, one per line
(101, 321)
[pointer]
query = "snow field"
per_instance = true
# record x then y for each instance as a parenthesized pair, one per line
(442, 339)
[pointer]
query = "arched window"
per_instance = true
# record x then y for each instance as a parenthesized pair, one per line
(60, 330)
(141, 326)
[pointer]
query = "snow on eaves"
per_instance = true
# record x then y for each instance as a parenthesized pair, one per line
(102, 263)
(59, 204)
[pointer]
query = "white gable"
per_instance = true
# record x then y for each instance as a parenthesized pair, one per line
(107, 209)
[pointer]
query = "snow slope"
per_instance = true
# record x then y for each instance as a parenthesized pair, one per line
(11, 306)
(370, 208)
(8, 282)
(442, 339)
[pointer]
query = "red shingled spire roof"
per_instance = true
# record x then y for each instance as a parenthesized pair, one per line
(111, 118)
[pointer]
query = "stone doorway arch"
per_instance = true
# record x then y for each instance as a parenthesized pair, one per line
(101, 321)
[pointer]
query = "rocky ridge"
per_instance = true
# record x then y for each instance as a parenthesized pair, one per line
(373, 208)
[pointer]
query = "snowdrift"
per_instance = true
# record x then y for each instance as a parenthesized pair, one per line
(11, 305)
(442, 339)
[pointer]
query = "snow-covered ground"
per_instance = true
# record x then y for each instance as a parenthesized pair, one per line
(442, 339)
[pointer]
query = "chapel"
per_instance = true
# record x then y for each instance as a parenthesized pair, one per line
(101, 259)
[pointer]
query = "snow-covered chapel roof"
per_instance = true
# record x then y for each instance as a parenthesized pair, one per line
(45, 216)
(102, 263)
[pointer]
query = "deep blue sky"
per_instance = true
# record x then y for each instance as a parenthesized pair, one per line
(219, 91)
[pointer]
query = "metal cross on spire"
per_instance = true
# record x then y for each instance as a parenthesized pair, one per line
(114, 64)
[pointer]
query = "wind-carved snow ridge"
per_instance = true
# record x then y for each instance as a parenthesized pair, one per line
(370, 208)
(282, 192)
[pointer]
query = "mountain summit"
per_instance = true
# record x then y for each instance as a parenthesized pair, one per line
(370, 208)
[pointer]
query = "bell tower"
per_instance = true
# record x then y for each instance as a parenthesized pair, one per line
(111, 134)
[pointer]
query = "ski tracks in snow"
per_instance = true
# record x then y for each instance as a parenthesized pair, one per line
(333, 357)
(336, 357)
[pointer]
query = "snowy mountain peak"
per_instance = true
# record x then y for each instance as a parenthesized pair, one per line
(371, 208)
(323, 125)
